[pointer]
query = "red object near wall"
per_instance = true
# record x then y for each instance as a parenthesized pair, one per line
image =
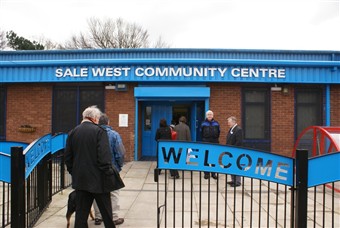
(319, 140)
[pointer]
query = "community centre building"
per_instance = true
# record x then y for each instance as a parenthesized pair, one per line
(275, 94)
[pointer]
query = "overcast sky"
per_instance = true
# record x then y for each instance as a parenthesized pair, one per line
(234, 24)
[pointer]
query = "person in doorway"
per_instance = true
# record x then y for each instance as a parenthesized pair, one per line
(88, 160)
(210, 130)
(164, 132)
(118, 152)
(173, 132)
(183, 130)
(235, 138)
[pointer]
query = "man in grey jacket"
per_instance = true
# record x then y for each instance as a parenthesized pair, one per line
(183, 130)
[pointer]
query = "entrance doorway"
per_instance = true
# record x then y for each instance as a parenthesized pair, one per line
(154, 111)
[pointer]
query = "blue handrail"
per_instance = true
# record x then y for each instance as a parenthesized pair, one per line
(33, 152)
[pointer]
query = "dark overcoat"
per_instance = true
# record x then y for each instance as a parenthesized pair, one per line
(235, 136)
(88, 159)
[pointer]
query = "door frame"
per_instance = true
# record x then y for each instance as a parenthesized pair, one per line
(143, 93)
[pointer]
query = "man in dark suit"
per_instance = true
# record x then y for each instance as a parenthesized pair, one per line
(88, 159)
(234, 137)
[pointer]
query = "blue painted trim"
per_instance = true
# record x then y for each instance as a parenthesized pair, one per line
(172, 92)
(58, 142)
(181, 62)
(136, 130)
(324, 169)
(5, 159)
(35, 152)
(5, 147)
(328, 105)
(5, 167)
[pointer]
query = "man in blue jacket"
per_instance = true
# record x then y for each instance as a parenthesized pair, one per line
(118, 152)
(210, 130)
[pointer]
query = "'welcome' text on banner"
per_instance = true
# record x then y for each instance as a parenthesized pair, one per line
(225, 159)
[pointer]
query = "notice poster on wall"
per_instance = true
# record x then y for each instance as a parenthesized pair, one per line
(123, 120)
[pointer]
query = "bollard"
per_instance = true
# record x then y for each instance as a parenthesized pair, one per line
(17, 188)
(301, 182)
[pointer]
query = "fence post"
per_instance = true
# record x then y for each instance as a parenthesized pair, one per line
(301, 188)
(17, 187)
(62, 170)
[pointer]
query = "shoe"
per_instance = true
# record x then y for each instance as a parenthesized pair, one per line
(230, 182)
(97, 221)
(214, 175)
(174, 177)
(235, 185)
(206, 176)
(118, 221)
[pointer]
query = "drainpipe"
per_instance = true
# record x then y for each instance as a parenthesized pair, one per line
(328, 105)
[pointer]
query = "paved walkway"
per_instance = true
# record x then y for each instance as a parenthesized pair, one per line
(136, 208)
(139, 200)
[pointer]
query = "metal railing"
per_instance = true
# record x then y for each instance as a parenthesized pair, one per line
(36, 174)
(267, 197)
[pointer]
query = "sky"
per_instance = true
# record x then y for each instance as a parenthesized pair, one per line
(223, 24)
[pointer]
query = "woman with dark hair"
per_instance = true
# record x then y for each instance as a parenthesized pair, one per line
(164, 132)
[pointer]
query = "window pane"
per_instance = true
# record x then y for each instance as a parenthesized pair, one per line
(256, 118)
(307, 98)
(306, 116)
(147, 118)
(91, 96)
(64, 109)
(70, 102)
(254, 96)
(309, 109)
(255, 122)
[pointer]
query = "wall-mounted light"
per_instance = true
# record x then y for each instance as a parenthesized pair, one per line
(285, 90)
(121, 87)
(110, 86)
(276, 88)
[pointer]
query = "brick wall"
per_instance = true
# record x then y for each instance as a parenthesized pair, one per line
(335, 105)
(28, 104)
(282, 122)
(122, 102)
(225, 101)
(31, 104)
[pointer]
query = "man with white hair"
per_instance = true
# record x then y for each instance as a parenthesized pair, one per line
(88, 159)
(210, 130)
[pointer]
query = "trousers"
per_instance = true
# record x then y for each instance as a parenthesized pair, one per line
(84, 202)
(114, 195)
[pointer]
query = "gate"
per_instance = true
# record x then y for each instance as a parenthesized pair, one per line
(30, 175)
(274, 190)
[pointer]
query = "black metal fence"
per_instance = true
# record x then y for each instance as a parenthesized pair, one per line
(24, 199)
(5, 203)
(193, 201)
(324, 205)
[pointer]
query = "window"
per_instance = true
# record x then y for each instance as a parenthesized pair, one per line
(2, 112)
(147, 118)
(70, 101)
(308, 109)
(256, 118)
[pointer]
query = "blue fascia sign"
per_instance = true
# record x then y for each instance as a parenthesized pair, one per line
(171, 72)
(226, 160)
